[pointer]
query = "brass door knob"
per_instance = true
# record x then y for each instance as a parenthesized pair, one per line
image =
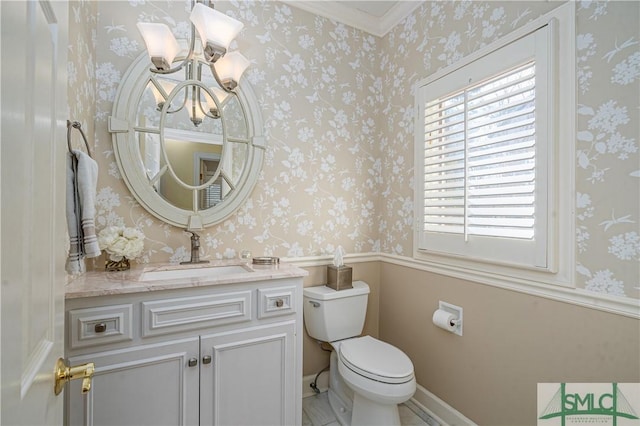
(63, 374)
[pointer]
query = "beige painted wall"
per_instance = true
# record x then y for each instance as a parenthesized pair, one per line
(511, 341)
(315, 359)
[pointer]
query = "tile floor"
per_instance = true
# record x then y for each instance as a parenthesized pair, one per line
(317, 412)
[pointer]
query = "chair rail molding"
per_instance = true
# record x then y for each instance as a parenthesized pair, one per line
(624, 306)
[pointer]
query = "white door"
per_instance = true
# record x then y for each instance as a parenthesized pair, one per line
(33, 146)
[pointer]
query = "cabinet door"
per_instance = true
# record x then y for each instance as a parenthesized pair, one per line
(146, 385)
(252, 379)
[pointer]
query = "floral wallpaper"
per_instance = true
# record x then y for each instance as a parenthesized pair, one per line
(338, 109)
(83, 19)
(608, 132)
(608, 97)
(318, 91)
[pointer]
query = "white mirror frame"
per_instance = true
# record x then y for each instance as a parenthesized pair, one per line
(126, 151)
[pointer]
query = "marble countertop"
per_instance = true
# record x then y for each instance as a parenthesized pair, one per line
(101, 283)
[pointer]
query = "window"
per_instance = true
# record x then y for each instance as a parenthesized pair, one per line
(480, 158)
(487, 149)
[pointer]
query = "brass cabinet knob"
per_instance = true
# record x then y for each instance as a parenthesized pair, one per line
(100, 327)
(192, 362)
(206, 359)
(279, 303)
(63, 374)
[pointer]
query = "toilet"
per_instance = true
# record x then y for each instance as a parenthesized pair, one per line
(368, 378)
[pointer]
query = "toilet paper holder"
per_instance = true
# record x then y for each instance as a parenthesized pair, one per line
(456, 312)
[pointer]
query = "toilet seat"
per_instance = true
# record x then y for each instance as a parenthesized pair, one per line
(376, 360)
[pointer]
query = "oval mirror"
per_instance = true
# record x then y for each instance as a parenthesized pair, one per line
(189, 152)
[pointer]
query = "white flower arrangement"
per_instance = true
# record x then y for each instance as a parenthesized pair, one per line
(121, 242)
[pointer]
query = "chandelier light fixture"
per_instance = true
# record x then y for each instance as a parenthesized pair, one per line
(216, 31)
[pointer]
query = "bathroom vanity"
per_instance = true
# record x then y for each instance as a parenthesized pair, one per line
(213, 344)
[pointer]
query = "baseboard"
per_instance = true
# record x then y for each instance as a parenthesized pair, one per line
(442, 412)
(323, 384)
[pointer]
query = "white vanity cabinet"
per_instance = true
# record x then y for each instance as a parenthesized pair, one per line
(146, 385)
(251, 381)
(224, 354)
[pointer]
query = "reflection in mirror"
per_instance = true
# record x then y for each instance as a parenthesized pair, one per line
(191, 167)
(186, 148)
(205, 167)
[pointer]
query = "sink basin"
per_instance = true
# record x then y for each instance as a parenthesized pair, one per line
(208, 272)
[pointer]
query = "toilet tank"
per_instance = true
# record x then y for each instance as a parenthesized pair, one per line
(331, 315)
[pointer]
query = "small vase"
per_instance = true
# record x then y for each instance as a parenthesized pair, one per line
(117, 265)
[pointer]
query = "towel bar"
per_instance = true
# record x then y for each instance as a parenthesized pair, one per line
(76, 125)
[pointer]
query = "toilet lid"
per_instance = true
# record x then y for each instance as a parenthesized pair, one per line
(376, 360)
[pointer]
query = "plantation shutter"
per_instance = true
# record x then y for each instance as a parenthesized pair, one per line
(480, 158)
(484, 152)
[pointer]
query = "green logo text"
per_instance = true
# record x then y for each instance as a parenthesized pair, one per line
(565, 404)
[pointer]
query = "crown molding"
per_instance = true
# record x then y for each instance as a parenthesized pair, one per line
(336, 11)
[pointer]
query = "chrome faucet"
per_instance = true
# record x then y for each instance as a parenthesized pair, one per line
(195, 250)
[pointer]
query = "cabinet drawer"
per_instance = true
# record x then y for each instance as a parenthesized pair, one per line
(100, 325)
(173, 315)
(277, 301)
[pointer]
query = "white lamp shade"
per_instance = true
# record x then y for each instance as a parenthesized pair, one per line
(213, 26)
(160, 41)
(220, 94)
(167, 86)
(231, 66)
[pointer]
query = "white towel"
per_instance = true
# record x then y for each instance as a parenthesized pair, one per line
(82, 178)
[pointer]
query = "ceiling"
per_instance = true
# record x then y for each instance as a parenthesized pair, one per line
(376, 17)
